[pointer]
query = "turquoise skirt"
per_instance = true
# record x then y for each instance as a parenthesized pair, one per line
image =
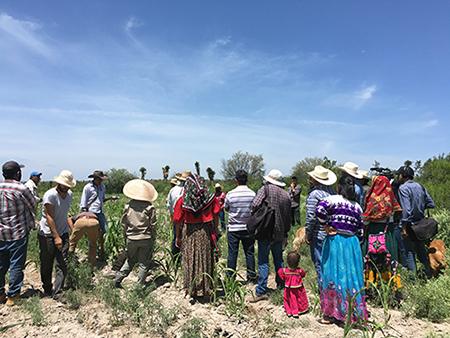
(342, 281)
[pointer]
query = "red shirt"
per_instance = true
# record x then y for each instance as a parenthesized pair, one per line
(185, 216)
(292, 278)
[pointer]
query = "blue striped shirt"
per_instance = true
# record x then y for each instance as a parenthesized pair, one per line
(238, 203)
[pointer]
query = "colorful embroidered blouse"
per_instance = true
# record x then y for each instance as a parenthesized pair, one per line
(206, 215)
(341, 214)
(292, 278)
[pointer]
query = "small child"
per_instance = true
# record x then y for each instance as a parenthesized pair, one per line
(295, 298)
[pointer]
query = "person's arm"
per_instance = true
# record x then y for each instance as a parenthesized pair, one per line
(178, 219)
(429, 203)
(260, 195)
(70, 222)
(84, 199)
(281, 274)
(226, 204)
(405, 202)
(49, 210)
(302, 273)
(311, 220)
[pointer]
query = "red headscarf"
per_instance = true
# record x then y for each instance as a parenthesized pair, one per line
(380, 200)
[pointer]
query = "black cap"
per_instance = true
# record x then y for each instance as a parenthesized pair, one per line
(406, 171)
(11, 167)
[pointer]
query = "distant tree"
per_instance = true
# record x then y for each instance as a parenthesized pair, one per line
(117, 179)
(252, 164)
(210, 173)
(418, 167)
(308, 163)
(143, 172)
(408, 163)
(165, 171)
(376, 164)
(436, 178)
(197, 167)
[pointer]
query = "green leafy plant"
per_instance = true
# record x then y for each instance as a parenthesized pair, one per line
(33, 307)
(193, 328)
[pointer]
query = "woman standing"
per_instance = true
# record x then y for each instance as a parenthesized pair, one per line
(195, 216)
(342, 267)
(381, 247)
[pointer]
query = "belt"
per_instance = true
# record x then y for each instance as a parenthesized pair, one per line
(88, 217)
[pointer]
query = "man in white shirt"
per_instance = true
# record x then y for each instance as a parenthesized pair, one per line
(32, 183)
(238, 204)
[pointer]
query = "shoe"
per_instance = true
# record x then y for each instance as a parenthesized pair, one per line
(118, 285)
(11, 301)
(295, 316)
(2, 298)
(257, 298)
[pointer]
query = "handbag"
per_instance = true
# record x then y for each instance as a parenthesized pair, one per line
(262, 220)
(427, 227)
(377, 243)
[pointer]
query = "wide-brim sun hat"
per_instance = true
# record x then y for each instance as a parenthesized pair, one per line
(364, 173)
(66, 179)
(275, 177)
(183, 176)
(352, 169)
(217, 185)
(174, 181)
(140, 190)
(323, 175)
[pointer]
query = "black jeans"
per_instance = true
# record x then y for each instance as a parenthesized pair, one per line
(295, 216)
(248, 244)
(48, 254)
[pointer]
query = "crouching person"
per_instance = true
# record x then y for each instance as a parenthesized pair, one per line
(139, 221)
(85, 223)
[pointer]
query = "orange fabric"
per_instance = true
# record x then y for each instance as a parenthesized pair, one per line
(380, 200)
(206, 215)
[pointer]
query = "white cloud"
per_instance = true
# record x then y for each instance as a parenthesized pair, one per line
(431, 123)
(25, 33)
(354, 100)
(131, 24)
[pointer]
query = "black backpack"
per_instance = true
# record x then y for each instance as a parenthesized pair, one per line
(262, 221)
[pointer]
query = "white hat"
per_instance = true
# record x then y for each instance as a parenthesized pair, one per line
(217, 185)
(183, 176)
(140, 190)
(352, 169)
(323, 175)
(65, 178)
(274, 177)
(364, 173)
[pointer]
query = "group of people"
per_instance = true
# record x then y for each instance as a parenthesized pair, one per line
(357, 233)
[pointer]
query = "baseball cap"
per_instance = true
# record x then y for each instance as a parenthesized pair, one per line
(11, 167)
(35, 173)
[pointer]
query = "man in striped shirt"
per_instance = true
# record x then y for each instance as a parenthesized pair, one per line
(238, 204)
(17, 207)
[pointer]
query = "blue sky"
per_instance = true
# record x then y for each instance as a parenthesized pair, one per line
(90, 85)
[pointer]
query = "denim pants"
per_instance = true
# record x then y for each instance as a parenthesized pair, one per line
(102, 222)
(264, 248)
(49, 253)
(315, 248)
(13, 255)
(419, 249)
(174, 248)
(248, 244)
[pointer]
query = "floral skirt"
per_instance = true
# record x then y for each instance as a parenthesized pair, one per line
(197, 259)
(342, 285)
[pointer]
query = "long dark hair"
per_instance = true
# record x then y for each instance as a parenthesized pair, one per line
(346, 187)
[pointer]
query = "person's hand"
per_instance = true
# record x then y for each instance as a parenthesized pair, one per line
(178, 242)
(330, 230)
(58, 242)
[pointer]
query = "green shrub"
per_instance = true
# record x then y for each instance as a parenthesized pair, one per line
(193, 328)
(34, 307)
(443, 217)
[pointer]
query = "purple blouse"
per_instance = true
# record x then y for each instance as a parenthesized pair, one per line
(341, 214)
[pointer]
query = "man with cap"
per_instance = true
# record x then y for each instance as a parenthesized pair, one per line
(32, 183)
(294, 193)
(414, 199)
(220, 196)
(17, 212)
(92, 199)
(54, 230)
(272, 191)
(321, 181)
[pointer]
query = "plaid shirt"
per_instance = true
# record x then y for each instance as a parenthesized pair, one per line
(17, 210)
(279, 200)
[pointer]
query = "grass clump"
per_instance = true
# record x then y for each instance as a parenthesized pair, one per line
(193, 328)
(34, 308)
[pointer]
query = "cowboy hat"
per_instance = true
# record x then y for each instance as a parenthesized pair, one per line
(65, 178)
(274, 177)
(352, 169)
(140, 190)
(98, 174)
(183, 176)
(323, 175)
(364, 173)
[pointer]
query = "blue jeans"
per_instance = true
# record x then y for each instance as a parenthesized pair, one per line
(222, 220)
(315, 248)
(13, 255)
(102, 222)
(264, 248)
(413, 249)
(248, 244)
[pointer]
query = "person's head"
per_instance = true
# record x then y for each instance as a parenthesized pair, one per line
(292, 259)
(218, 188)
(346, 187)
(35, 176)
(62, 189)
(241, 177)
(12, 170)
(294, 180)
(405, 173)
(98, 177)
(64, 181)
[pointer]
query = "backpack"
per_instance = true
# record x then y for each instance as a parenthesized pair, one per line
(262, 221)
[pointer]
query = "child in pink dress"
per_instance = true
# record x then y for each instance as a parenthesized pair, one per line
(295, 298)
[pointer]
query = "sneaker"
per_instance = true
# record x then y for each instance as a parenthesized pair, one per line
(2, 298)
(11, 301)
(257, 298)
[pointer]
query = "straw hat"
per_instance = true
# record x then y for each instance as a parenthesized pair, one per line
(217, 185)
(274, 177)
(140, 190)
(174, 181)
(364, 173)
(352, 169)
(323, 175)
(65, 178)
(183, 176)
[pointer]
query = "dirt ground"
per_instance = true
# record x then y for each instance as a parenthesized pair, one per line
(263, 319)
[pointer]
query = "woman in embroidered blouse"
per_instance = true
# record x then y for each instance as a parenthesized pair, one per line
(342, 263)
